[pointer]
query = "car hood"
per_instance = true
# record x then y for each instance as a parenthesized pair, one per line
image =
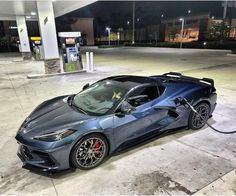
(53, 114)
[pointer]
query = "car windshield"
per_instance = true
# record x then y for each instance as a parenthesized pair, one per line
(99, 98)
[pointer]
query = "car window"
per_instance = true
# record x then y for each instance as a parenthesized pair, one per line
(142, 95)
(161, 90)
(99, 98)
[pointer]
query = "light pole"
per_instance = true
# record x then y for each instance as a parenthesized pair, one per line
(133, 32)
(182, 32)
(109, 32)
(129, 31)
(225, 5)
(118, 38)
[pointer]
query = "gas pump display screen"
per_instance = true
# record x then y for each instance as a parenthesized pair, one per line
(70, 41)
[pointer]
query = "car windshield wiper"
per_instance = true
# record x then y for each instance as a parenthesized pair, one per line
(70, 102)
(80, 109)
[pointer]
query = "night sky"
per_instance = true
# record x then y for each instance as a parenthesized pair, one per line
(116, 13)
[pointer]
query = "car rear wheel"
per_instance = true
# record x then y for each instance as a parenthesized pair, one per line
(195, 121)
(89, 152)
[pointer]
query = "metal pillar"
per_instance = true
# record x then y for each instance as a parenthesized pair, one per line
(24, 38)
(49, 36)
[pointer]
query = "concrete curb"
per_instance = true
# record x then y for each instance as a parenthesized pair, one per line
(230, 54)
(36, 76)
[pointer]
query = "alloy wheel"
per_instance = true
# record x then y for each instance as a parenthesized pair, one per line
(199, 121)
(90, 152)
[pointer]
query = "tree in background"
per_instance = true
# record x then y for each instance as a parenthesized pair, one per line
(173, 34)
(219, 30)
(1, 29)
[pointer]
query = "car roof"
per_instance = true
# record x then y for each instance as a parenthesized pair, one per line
(131, 81)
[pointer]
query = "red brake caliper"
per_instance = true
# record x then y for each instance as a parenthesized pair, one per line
(97, 151)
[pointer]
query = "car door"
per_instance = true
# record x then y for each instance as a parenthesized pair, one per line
(144, 119)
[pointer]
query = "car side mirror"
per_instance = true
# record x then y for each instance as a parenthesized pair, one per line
(125, 109)
(85, 86)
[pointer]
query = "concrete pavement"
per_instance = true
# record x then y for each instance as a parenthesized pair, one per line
(188, 162)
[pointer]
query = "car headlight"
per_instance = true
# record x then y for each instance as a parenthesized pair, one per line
(55, 136)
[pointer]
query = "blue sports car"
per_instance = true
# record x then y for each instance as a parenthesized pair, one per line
(81, 130)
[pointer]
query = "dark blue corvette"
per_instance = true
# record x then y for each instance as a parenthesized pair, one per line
(81, 130)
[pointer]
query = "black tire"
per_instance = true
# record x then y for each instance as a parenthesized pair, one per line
(194, 121)
(89, 152)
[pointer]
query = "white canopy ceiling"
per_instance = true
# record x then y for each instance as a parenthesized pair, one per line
(9, 9)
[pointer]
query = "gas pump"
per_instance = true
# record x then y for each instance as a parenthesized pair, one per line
(37, 47)
(70, 43)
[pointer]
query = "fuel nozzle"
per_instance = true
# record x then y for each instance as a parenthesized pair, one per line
(183, 101)
(180, 101)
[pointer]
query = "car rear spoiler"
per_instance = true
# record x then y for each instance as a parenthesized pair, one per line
(208, 81)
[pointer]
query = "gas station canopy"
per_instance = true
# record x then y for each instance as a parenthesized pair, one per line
(11, 8)
(45, 12)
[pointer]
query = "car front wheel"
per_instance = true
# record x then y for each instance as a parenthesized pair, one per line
(89, 152)
(195, 121)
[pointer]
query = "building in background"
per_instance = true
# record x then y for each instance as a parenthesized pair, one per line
(144, 34)
(233, 29)
(85, 26)
(113, 37)
(199, 28)
(196, 28)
